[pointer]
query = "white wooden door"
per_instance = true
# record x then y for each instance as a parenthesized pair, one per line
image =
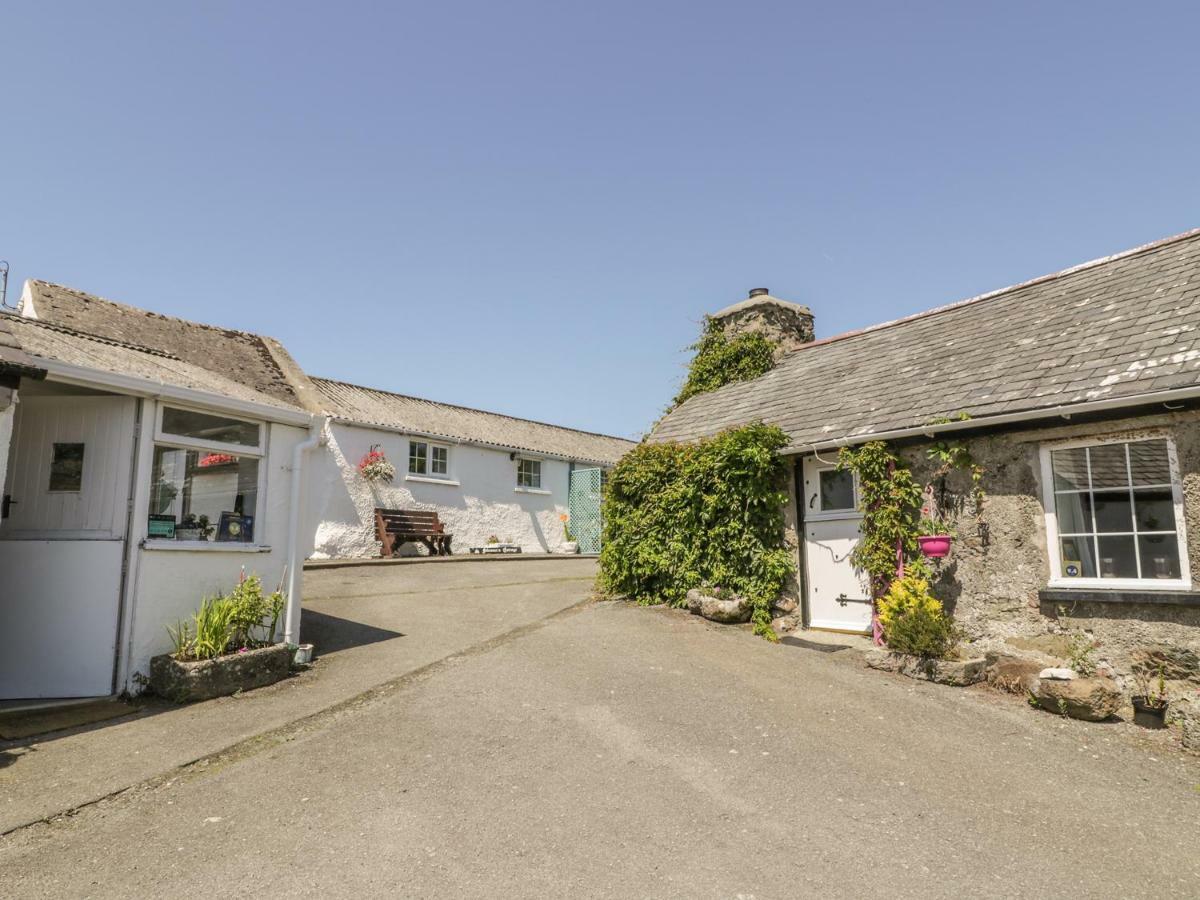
(839, 599)
(62, 545)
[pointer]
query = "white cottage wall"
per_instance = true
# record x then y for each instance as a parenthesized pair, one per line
(8, 408)
(479, 499)
(170, 582)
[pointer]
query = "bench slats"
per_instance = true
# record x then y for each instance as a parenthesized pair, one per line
(394, 527)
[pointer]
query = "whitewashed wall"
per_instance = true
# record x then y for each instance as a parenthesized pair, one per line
(172, 582)
(8, 407)
(480, 498)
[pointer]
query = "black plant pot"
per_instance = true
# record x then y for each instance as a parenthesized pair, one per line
(1149, 716)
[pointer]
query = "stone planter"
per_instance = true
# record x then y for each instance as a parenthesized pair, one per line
(729, 609)
(569, 547)
(957, 672)
(184, 682)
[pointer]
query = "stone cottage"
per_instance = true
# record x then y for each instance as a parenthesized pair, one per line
(1082, 392)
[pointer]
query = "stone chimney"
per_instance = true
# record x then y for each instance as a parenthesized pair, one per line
(788, 324)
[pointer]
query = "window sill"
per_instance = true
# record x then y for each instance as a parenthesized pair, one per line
(428, 479)
(1052, 597)
(526, 490)
(205, 546)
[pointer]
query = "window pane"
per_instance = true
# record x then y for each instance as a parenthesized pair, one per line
(1074, 513)
(1113, 511)
(1155, 509)
(418, 456)
(1160, 555)
(214, 494)
(837, 490)
(1077, 558)
(438, 462)
(1070, 469)
(1116, 557)
(1108, 466)
(66, 468)
(208, 427)
(1148, 462)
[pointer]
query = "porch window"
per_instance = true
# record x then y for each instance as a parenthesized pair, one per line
(529, 473)
(432, 460)
(205, 477)
(1116, 513)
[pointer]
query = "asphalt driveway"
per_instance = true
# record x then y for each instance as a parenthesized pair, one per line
(612, 751)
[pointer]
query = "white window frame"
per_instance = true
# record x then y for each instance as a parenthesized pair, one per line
(181, 442)
(525, 489)
(1050, 507)
(812, 494)
(428, 475)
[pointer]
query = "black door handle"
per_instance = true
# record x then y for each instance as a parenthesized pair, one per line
(6, 506)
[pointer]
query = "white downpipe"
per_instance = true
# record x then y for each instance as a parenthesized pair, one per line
(291, 619)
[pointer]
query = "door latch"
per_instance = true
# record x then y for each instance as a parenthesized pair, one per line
(6, 506)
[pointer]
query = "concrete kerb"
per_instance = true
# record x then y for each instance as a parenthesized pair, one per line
(445, 560)
(241, 749)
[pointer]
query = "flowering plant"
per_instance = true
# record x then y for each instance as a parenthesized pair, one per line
(375, 467)
(566, 520)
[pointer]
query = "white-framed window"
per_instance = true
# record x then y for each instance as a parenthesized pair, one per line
(205, 477)
(529, 473)
(1114, 513)
(427, 460)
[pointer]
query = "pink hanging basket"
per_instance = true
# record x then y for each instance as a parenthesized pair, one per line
(934, 546)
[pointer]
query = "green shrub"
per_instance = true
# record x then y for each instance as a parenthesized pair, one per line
(224, 624)
(678, 516)
(914, 622)
(721, 360)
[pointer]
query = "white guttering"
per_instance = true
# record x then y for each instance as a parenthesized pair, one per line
(1064, 411)
(293, 562)
(469, 442)
(141, 387)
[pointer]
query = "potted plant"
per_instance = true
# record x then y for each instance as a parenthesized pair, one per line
(934, 537)
(569, 544)
(1150, 705)
(374, 466)
(194, 528)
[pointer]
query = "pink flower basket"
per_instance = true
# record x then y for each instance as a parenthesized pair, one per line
(934, 546)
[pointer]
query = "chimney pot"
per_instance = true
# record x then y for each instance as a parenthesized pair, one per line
(759, 292)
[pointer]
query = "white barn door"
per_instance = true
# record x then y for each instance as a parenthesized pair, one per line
(838, 597)
(62, 545)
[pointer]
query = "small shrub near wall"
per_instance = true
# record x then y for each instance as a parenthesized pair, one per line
(681, 516)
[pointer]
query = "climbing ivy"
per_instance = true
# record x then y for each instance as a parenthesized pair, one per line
(955, 454)
(890, 501)
(721, 359)
(681, 516)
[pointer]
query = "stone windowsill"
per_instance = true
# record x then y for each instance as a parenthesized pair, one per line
(528, 490)
(1053, 597)
(205, 546)
(426, 479)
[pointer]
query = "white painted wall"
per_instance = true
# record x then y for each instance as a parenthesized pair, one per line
(8, 409)
(479, 499)
(170, 583)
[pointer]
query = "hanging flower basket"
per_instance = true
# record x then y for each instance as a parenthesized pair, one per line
(934, 546)
(375, 467)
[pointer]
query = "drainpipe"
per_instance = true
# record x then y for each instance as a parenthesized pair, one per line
(291, 619)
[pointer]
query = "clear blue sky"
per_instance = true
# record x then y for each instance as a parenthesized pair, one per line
(528, 207)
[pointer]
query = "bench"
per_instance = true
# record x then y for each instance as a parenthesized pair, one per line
(394, 527)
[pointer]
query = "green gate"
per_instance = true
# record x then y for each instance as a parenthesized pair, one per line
(583, 504)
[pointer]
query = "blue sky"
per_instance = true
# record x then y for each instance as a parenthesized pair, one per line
(527, 207)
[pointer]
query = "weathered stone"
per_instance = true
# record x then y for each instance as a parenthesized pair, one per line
(1187, 713)
(957, 672)
(1058, 673)
(1090, 699)
(207, 678)
(784, 605)
(1177, 663)
(1015, 673)
(1052, 645)
(727, 610)
(784, 624)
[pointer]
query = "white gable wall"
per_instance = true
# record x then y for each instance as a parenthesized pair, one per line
(479, 499)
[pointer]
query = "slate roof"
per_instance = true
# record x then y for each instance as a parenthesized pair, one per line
(367, 406)
(254, 361)
(13, 359)
(42, 340)
(1116, 327)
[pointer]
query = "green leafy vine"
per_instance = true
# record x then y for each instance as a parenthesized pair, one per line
(721, 359)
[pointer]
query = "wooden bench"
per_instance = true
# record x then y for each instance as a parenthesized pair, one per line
(394, 527)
